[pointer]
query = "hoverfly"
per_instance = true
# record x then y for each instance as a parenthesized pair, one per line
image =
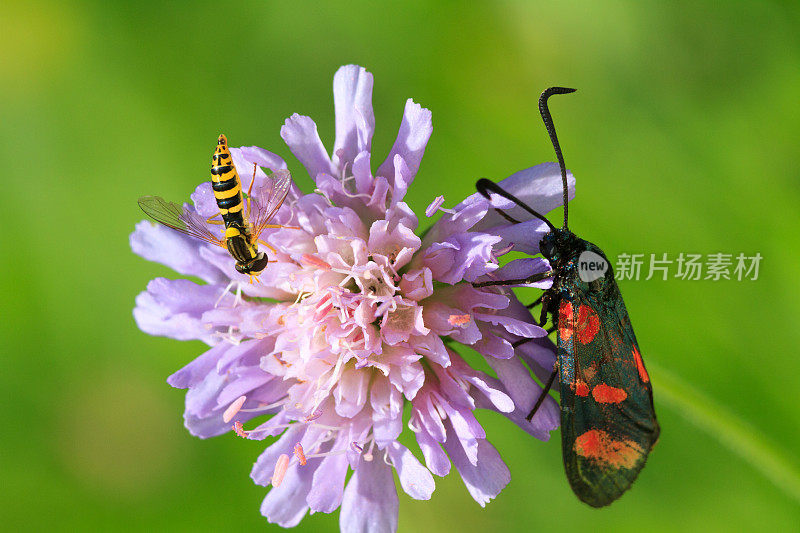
(242, 227)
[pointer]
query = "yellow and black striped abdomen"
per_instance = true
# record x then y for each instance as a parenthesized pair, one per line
(226, 184)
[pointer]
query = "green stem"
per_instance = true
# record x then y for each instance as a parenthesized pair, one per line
(730, 430)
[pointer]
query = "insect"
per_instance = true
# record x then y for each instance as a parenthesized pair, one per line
(608, 422)
(242, 227)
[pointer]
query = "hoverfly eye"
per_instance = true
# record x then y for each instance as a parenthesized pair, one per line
(240, 268)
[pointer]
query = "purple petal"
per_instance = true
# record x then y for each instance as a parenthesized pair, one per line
(540, 354)
(467, 429)
(201, 399)
(402, 179)
(174, 308)
(285, 504)
(370, 500)
(355, 122)
(524, 237)
(415, 130)
(458, 222)
(415, 479)
(205, 204)
(181, 253)
(199, 368)
(487, 477)
(539, 187)
(492, 344)
(362, 173)
(435, 458)
(326, 491)
(496, 395)
(351, 392)
(517, 381)
(265, 464)
(387, 428)
(524, 268)
(520, 328)
(245, 156)
(300, 134)
(546, 418)
(247, 379)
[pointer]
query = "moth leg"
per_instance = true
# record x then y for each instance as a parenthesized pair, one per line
(539, 276)
(543, 395)
(536, 302)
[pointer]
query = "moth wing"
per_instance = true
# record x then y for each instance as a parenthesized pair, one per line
(269, 199)
(608, 421)
(180, 218)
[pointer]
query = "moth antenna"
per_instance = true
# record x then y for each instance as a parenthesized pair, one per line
(486, 186)
(551, 130)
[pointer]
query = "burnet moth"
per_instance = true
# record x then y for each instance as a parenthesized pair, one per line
(608, 423)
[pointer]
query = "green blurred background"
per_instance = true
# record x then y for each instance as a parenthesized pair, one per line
(683, 138)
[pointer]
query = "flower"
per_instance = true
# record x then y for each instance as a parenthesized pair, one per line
(355, 318)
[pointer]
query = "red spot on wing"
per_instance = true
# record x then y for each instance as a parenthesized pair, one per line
(598, 445)
(603, 393)
(581, 388)
(565, 325)
(588, 324)
(640, 365)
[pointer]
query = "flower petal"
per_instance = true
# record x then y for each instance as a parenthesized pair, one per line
(415, 130)
(327, 488)
(524, 237)
(285, 504)
(484, 479)
(539, 187)
(524, 268)
(435, 457)
(415, 479)
(355, 121)
(180, 252)
(174, 308)
(300, 134)
(370, 500)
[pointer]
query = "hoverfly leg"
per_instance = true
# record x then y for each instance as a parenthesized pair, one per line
(249, 189)
(268, 245)
(279, 226)
(543, 395)
(215, 222)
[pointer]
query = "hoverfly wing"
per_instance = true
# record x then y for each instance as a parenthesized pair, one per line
(608, 421)
(179, 218)
(269, 198)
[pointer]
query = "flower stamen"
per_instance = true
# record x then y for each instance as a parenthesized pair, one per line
(280, 469)
(459, 320)
(298, 452)
(233, 408)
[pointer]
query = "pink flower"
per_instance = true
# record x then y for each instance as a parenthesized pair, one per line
(355, 317)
